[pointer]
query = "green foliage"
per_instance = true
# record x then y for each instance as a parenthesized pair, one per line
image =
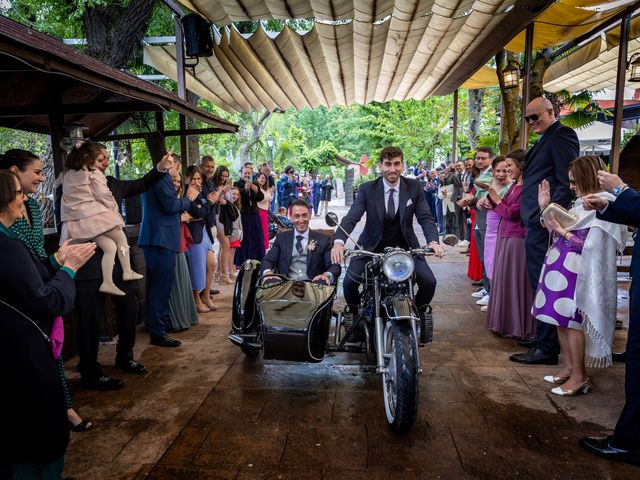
(585, 109)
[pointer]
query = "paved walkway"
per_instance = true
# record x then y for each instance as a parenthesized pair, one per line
(206, 411)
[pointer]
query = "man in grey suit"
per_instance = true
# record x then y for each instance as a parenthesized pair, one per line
(548, 159)
(391, 203)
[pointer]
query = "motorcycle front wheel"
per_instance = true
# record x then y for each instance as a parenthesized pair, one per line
(400, 381)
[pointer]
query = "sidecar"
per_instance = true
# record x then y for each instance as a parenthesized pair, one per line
(287, 320)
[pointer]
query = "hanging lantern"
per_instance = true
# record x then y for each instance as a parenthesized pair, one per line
(634, 64)
(511, 74)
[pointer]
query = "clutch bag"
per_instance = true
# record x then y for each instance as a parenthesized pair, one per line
(564, 217)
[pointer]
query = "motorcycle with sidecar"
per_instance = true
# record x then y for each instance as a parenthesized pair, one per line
(295, 321)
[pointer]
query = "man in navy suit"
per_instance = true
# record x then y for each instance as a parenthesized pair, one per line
(301, 253)
(160, 241)
(548, 159)
(390, 202)
(624, 444)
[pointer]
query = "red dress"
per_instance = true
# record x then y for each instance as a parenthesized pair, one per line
(474, 270)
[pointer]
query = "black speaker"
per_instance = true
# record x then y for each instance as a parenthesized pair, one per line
(197, 36)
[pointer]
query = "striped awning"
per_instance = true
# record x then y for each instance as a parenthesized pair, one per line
(367, 51)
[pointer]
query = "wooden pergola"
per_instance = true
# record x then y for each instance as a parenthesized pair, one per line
(46, 85)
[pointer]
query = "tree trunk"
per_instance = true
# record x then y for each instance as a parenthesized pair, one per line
(539, 67)
(252, 134)
(115, 30)
(476, 97)
(193, 140)
(47, 187)
(509, 124)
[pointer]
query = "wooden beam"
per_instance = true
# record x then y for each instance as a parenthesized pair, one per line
(166, 133)
(454, 136)
(80, 108)
(526, 86)
(621, 73)
(56, 125)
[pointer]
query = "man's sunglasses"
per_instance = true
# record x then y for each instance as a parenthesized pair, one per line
(532, 118)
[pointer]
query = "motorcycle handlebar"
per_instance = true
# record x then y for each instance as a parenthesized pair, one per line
(359, 253)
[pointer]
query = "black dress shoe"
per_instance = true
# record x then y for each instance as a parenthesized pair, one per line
(102, 384)
(603, 448)
(166, 341)
(214, 291)
(619, 357)
(131, 366)
(535, 356)
(477, 283)
(527, 343)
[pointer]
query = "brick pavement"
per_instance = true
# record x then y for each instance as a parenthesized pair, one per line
(206, 411)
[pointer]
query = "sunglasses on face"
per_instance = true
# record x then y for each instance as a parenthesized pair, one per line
(533, 117)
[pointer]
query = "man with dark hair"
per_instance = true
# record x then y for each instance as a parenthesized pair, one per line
(90, 303)
(301, 253)
(391, 203)
(548, 159)
(288, 187)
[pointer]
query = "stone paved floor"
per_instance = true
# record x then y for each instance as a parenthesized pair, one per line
(204, 411)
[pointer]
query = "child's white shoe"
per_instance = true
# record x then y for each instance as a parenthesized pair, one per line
(131, 275)
(111, 289)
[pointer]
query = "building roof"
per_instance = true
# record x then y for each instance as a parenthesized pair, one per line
(36, 68)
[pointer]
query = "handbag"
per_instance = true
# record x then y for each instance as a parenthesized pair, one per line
(563, 216)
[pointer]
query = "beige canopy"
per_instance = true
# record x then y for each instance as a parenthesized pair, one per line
(370, 51)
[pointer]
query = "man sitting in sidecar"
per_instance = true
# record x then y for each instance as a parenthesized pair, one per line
(283, 305)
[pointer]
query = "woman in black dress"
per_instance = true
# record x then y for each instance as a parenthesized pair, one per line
(252, 246)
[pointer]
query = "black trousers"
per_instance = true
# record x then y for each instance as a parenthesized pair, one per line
(627, 432)
(536, 242)
(424, 278)
(89, 306)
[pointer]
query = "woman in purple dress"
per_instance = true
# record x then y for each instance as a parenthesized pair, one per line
(577, 288)
(509, 309)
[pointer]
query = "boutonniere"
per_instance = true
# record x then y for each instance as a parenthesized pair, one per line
(312, 246)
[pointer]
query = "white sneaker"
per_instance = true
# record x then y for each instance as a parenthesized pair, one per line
(484, 308)
(483, 301)
(479, 293)
(463, 243)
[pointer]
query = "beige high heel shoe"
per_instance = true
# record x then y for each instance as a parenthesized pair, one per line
(584, 388)
(556, 380)
(225, 280)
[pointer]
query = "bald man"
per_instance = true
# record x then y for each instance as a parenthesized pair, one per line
(548, 159)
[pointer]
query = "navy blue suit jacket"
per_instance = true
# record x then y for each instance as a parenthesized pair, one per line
(370, 199)
(626, 211)
(161, 209)
(549, 158)
(278, 258)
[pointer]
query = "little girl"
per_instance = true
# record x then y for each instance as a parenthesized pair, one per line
(89, 212)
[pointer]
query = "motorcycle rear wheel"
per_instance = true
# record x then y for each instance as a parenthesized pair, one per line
(400, 382)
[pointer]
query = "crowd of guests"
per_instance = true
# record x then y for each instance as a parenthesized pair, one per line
(545, 265)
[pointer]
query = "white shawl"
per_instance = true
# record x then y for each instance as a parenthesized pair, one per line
(596, 286)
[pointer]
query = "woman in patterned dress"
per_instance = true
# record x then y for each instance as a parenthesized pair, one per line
(577, 288)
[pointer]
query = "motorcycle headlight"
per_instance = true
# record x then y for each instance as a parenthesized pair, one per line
(398, 266)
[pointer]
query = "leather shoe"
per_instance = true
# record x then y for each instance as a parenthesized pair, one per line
(603, 448)
(477, 283)
(535, 356)
(619, 357)
(214, 291)
(131, 366)
(527, 343)
(103, 384)
(166, 341)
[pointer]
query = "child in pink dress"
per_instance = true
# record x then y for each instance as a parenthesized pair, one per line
(89, 212)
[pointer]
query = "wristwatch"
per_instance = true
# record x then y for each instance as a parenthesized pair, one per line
(619, 189)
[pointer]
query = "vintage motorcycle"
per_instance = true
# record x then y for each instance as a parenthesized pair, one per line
(294, 321)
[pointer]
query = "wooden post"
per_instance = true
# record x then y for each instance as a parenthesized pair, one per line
(182, 90)
(56, 122)
(454, 136)
(526, 85)
(614, 156)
